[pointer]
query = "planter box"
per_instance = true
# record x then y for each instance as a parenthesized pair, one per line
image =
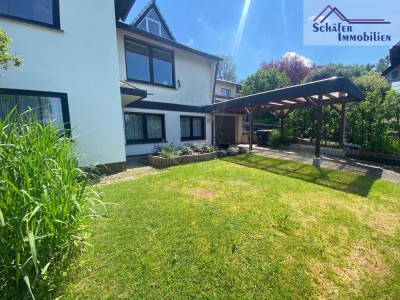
(159, 162)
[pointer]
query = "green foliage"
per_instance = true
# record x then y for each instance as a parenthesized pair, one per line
(277, 139)
(172, 151)
(264, 80)
(337, 70)
(6, 59)
(383, 64)
(227, 69)
(44, 198)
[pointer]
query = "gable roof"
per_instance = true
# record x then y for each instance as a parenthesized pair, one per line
(152, 6)
(122, 8)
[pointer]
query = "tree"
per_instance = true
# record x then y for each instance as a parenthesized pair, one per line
(336, 70)
(383, 64)
(6, 59)
(227, 69)
(264, 80)
(293, 66)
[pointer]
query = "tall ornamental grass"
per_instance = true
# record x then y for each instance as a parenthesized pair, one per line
(44, 198)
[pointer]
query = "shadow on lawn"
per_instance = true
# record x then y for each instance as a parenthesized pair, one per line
(338, 180)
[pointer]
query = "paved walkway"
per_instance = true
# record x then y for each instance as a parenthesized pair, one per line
(375, 170)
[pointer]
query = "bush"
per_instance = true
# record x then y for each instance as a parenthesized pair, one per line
(186, 150)
(168, 151)
(44, 198)
(277, 139)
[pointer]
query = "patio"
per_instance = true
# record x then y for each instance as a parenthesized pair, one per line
(359, 167)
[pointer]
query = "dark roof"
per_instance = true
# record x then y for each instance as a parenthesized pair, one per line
(122, 8)
(334, 90)
(152, 5)
(165, 41)
(129, 89)
(394, 59)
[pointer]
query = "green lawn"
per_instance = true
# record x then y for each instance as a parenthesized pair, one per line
(246, 227)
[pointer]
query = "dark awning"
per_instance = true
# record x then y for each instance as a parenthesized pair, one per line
(325, 92)
(130, 93)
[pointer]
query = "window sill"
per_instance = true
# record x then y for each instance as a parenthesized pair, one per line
(146, 143)
(32, 23)
(193, 139)
(153, 84)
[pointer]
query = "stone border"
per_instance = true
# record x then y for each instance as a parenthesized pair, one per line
(159, 162)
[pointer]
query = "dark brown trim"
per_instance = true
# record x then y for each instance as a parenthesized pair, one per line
(215, 82)
(133, 92)
(166, 106)
(145, 139)
(194, 138)
(150, 48)
(165, 41)
(154, 7)
(56, 18)
(388, 70)
(62, 96)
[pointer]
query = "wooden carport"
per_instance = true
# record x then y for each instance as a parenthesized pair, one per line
(328, 92)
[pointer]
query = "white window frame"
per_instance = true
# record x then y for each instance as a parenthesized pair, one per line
(155, 22)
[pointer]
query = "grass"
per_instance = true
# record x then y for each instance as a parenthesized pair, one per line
(246, 227)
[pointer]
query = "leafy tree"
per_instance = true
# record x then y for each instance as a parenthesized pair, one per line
(227, 69)
(6, 59)
(336, 70)
(372, 81)
(293, 66)
(383, 64)
(264, 80)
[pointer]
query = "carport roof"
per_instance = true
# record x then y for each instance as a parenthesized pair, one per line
(336, 90)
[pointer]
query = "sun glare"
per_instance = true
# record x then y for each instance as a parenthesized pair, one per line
(239, 33)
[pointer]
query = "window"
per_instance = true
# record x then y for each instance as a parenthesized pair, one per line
(144, 128)
(47, 107)
(41, 12)
(151, 23)
(145, 63)
(226, 93)
(395, 74)
(192, 128)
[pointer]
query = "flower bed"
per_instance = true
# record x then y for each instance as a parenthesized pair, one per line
(159, 162)
(167, 156)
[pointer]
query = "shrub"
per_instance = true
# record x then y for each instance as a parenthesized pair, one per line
(170, 151)
(276, 139)
(186, 150)
(44, 198)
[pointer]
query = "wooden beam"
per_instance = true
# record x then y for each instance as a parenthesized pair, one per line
(335, 108)
(342, 130)
(319, 128)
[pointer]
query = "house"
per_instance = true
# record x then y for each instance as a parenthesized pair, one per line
(123, 88)
(228, 128)
(392, 74)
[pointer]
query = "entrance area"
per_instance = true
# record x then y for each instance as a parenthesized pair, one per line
(225, 130)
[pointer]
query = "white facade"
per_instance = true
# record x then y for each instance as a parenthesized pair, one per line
(81, 61)
(195, 78)
(227, 85)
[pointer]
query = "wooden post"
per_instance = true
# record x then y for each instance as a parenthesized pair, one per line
(282, 122)
(342, 125)
(251, 131)
(319, 128)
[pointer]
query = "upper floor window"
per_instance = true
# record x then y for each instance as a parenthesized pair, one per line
(395, 75)
(46, 107)
(226, 92)
(151, 23)
(41, 12)
(145, 63)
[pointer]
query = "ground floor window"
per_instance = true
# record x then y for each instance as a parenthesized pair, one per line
(144, 128)
(47, 107)
(192, 128)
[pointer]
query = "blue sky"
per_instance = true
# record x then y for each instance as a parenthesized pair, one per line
(272, 28)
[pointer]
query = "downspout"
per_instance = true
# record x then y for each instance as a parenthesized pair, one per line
(213, 101)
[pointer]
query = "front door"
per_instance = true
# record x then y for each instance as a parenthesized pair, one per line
(224, 130)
